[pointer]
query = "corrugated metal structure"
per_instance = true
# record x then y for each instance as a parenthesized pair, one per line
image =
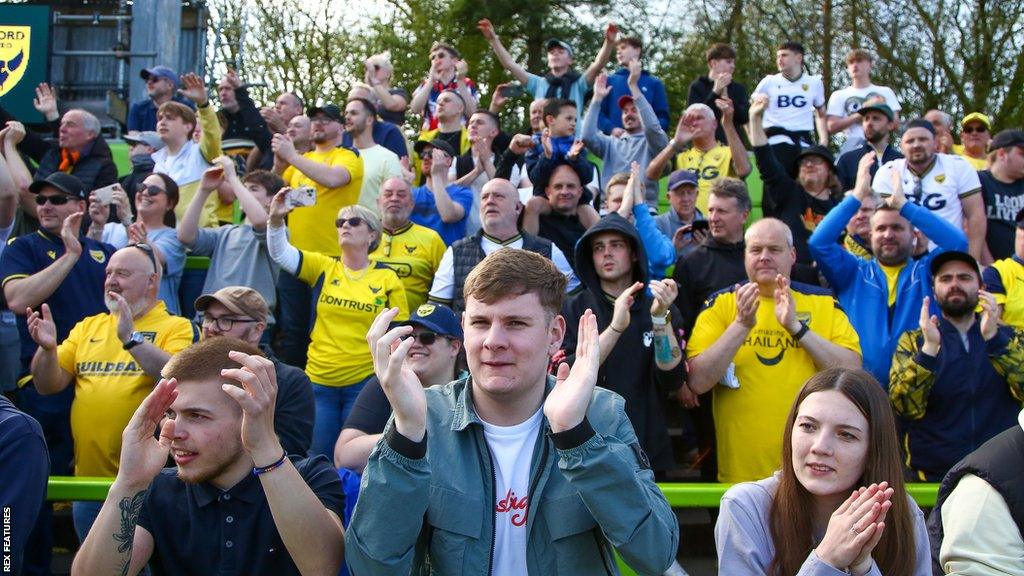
(99, 47)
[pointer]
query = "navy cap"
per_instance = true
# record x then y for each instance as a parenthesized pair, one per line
(436, 317)
(680, 177)
(438, 143)
(953, 256)
(330, 110)
(64, 182)
(160, 72)
(920, 123)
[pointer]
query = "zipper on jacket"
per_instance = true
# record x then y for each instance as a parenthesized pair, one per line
(494, 512)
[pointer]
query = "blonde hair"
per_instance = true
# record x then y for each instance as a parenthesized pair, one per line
(371, 219)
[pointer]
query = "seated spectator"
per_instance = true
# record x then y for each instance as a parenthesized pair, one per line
(717, 85)
(230, 464)
(800, 202)
(337, 175)
(840, 434)
(944, 184)
(161, 87)
(975, 134)
(447, 72)
(877, 121)
(478, 166)
(184, 159)
(391, 102)
(642, 369)
(975, 525)
(237, 252)
(499, 216)
(241, 312)
(111, 360)
(955, 380)
(943, 125)
(277, 118)
(843, 113)
(1002, 190)
(379, 163)
(352, 290)
(629, 50)
(414, 252)
(882, 295)
(696, 148)
(625, 196)
(384, 133)
(557, 144)
(440, 205)
(756, 343)
(558, 215)
(677, 222)
(141, 147)
(155, 204)
(24, 468)
(592, 468)
(1004, 280)
(641, 137)
(437, 341)
(562, 80)
(794, 109)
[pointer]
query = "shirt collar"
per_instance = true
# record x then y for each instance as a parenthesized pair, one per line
(248, 491)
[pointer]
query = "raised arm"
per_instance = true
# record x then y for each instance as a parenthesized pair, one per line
(281, 251)
(31, 291)
(740, 160)
(450, 210)
(611, 32)
(323, 174)
(47, 375)
(188, 227)
(504, 58)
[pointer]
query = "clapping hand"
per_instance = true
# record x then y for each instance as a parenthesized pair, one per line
(566, 406)
(855, 528)
(389, 349)
(256, 396)
(41, 327)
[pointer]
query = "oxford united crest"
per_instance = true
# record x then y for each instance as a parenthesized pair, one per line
(14, 45)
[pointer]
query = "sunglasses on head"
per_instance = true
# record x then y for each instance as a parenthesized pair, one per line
(149, 189)
(149, 252)
(56, 199)
(352, 222)
(427, 338)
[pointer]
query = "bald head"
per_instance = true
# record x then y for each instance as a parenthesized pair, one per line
(499, 208)
(395, 203)
(768, 253)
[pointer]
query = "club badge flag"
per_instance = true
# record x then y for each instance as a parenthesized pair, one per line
(14, 55)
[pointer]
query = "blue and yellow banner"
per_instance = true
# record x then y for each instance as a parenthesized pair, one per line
(24, 57)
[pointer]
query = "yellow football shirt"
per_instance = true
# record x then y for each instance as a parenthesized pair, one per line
(1011, 274)
(312, 227)
(978, 164)
(414, 252)
(109, 384)
(709, 166)
(346, 303)
(770, 367)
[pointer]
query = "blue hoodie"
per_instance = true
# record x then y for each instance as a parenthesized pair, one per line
(653, 89)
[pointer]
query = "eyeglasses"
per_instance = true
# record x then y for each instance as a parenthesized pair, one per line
(149, 252)
(352, 222)
(428, 338)
(150, 190)
(224, 323)
(56, 200)
(973, 130)
(321, 120)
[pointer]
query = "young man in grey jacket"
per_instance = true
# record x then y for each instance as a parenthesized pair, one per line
(505, 472)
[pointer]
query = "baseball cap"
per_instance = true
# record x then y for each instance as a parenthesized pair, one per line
(623, 100)
(240, 300)
(953, 255)
(819, 151)
(556, 43)
(680, 177)
(330, 110)
(878, 106)
(62, 181)
(160, 72)
(438, 143)
(436, 317)
(976, 117)
(149, 138)
(1006, 139)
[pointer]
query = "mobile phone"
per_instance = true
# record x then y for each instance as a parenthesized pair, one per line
(301, 196)
(105, 195)
(700, 226)
(513, 90)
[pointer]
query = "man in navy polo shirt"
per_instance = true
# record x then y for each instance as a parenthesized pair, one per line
(235, 503)
(58, 266)
(161, 86)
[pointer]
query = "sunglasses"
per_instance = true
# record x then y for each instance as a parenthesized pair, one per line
(352, 222)
(149, 252)
(56, 200)
(973, 130)
(427, 338)
(150, 190)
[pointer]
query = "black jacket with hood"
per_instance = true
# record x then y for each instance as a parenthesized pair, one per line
(629, 369)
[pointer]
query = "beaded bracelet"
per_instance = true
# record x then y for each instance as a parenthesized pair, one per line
(256, 471)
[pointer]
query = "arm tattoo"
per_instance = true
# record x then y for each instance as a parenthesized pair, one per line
(125, 536)
(664, 351)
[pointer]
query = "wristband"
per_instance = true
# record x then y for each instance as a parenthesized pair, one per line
(257, 470)
(804, 329)
(614, 329)
(659, 320)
